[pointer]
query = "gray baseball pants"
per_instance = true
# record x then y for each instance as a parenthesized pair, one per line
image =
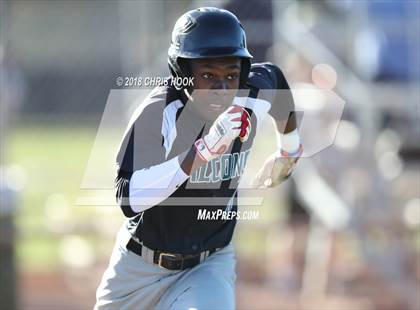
(130, 282)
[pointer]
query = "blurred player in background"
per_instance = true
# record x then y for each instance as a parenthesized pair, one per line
(183, 155)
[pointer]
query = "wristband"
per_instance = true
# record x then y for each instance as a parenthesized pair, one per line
(289, 142)
(297, 153)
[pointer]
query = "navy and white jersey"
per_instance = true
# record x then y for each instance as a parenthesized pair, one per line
(163, 127)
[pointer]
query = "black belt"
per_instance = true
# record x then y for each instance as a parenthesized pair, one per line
(171, 261)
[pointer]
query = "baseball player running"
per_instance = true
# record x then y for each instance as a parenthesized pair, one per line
(183, 152)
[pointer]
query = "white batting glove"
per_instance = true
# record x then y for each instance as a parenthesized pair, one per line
(276, 169)
(233, 123)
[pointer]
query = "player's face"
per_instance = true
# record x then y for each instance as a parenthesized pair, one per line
(216, 81)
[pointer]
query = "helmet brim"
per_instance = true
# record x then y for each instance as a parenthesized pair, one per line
(215, 52)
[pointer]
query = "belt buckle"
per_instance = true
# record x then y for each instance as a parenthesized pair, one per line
(161, 256)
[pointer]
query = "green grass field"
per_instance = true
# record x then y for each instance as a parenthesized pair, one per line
(54, 160)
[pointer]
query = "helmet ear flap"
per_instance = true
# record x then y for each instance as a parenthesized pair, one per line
(185, 67)
(180, 68)
(245, 68)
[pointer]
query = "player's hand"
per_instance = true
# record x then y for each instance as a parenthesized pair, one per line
(233, 123)
(276, 169)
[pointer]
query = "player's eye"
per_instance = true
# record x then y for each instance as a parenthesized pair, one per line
(207, 76)
(232, 77)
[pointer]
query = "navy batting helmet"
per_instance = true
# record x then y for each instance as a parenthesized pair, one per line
(207, 33)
